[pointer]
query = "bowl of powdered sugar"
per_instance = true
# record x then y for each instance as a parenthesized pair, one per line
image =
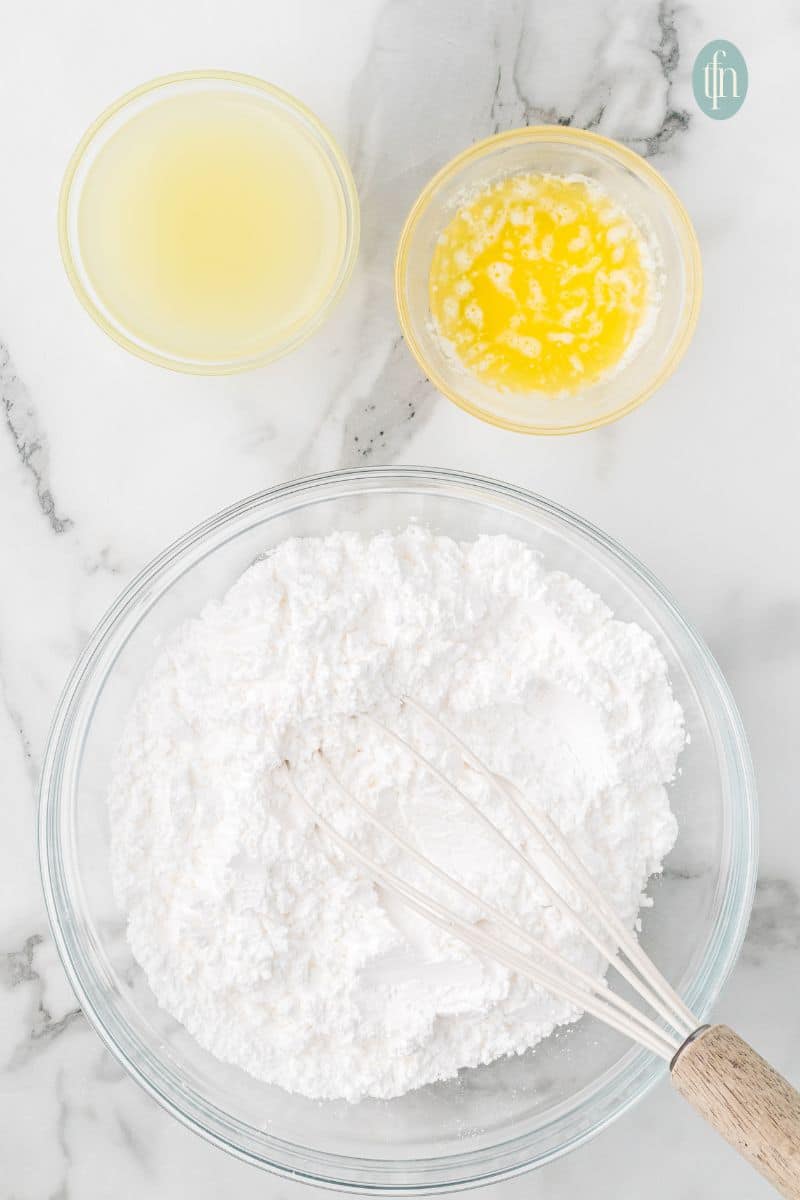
(257, 980)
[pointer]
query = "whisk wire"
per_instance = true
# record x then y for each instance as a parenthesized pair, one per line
(659, 993)
(606, 945)
(578, 977)
(578, 876)
(637, 1029)
(540, 964)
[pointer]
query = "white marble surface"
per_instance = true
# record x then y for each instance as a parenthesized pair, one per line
(104, 459)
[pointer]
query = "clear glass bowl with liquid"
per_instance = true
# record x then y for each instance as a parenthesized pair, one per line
(208, 222)
(490, 1122)
(639, 191)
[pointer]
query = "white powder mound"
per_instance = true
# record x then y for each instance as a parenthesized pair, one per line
(253, 930)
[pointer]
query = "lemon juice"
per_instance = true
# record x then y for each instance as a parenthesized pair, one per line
(212, 225)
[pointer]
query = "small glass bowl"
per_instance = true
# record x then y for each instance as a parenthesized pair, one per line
(153, 92)
(639, 190)
(491, 1122)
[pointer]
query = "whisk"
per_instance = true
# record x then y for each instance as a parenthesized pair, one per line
(720, 1075)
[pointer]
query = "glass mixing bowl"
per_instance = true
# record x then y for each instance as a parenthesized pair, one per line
(639, 190)
(490, 1122)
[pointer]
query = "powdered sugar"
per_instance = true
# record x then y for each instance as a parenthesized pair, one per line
(276, 953)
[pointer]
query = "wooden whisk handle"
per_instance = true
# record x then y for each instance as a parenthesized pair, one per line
(744, 1099)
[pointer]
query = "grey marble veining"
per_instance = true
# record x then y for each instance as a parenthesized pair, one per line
(775, 923)
(29, 440)
(103, 460)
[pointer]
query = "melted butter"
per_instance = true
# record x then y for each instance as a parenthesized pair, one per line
(540, 283)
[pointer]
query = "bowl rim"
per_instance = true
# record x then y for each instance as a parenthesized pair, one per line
(71, 254)
(349, 1172)
(637, 165)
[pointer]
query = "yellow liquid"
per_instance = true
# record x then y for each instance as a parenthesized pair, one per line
(540, 283)
(211, 226)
